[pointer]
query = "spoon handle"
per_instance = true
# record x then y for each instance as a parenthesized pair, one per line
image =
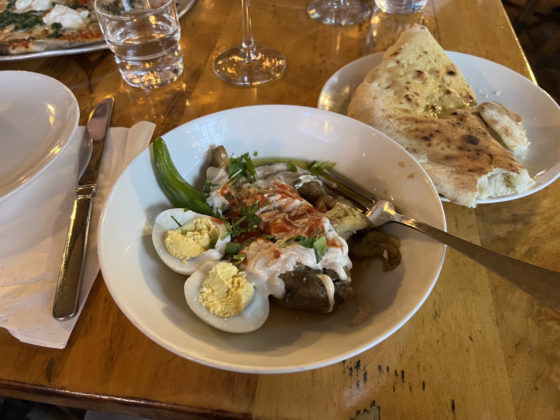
(539, 282)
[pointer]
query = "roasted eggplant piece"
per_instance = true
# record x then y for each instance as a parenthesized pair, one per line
(376, 243)
(344, 217)
(219, 158)
(305, 291)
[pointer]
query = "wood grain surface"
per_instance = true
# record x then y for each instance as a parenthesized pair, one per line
(478, 347)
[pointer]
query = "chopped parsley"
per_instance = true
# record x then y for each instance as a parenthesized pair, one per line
(248, 221)
(232, 251)
(176, 221)
(241, 166)
(232, 248)
(320, 247)
(319, 244)
(207, 186)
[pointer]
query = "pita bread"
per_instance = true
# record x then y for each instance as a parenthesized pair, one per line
(419, 97)
(506, 124)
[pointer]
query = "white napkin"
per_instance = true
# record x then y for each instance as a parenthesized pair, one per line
(33, 226)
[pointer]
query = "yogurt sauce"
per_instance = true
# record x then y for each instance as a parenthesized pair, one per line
(266, 260)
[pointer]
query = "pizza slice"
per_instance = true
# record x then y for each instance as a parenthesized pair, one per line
(40, 25)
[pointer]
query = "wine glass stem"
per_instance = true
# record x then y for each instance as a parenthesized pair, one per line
(248, 43)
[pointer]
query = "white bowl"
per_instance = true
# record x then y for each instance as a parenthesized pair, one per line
(38, 117)
(151, 295)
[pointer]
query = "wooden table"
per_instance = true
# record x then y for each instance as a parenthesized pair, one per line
(478, 348)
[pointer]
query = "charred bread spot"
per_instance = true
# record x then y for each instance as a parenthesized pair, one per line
(472, 139)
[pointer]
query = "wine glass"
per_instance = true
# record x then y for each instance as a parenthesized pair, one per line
(249, 64)
(338, 12)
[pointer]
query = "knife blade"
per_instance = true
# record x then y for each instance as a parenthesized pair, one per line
(66, 298)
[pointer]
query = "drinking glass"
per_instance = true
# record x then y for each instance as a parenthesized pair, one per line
(144, 36)
(338, 12)
(400, 7)
(249, 64)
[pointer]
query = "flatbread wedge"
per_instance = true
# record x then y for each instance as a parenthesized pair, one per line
(417, 96)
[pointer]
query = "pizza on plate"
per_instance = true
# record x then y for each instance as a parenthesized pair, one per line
(417, 96)
(39, 25)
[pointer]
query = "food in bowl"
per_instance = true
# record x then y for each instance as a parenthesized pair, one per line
(272, 229)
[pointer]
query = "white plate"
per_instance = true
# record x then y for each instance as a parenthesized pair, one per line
(38, 116)
(491, 82)
(151, 295)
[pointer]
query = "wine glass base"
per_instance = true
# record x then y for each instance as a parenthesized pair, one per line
(338, 12)
(254, 67)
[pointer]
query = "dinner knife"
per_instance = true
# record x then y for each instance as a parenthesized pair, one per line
(67, 293)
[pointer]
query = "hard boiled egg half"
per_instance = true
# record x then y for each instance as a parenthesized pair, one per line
(220, 295)
(185, 240)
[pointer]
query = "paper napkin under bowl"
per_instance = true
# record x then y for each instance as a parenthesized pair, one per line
(33, 227)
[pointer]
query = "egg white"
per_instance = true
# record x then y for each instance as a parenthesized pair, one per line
(251, 319)
(164, 222)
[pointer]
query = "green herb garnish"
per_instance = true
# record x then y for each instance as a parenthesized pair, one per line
(319, 244)
(232, 251)
(248, 221)
(232, 248)
(320, 247)
(21, 21)
(56, 27)
(241, 166)
(317, 168)
(176, 221)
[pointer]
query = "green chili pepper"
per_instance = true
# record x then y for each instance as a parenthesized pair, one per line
(179, 191)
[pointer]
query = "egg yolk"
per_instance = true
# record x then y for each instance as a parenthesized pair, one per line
(225, 291)
(191, 239)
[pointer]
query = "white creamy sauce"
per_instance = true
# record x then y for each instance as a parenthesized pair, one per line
(279, 172)
(219, 177)
(265, 260)
(336, 257)
(39, 5)
(304, 179)
(329, 287)
(272, 169)
(277, 201)
(67, 17)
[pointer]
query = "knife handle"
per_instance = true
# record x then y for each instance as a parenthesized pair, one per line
(71, 270)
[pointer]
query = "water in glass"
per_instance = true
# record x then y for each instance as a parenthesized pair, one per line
(401, 7)
(146, 45)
